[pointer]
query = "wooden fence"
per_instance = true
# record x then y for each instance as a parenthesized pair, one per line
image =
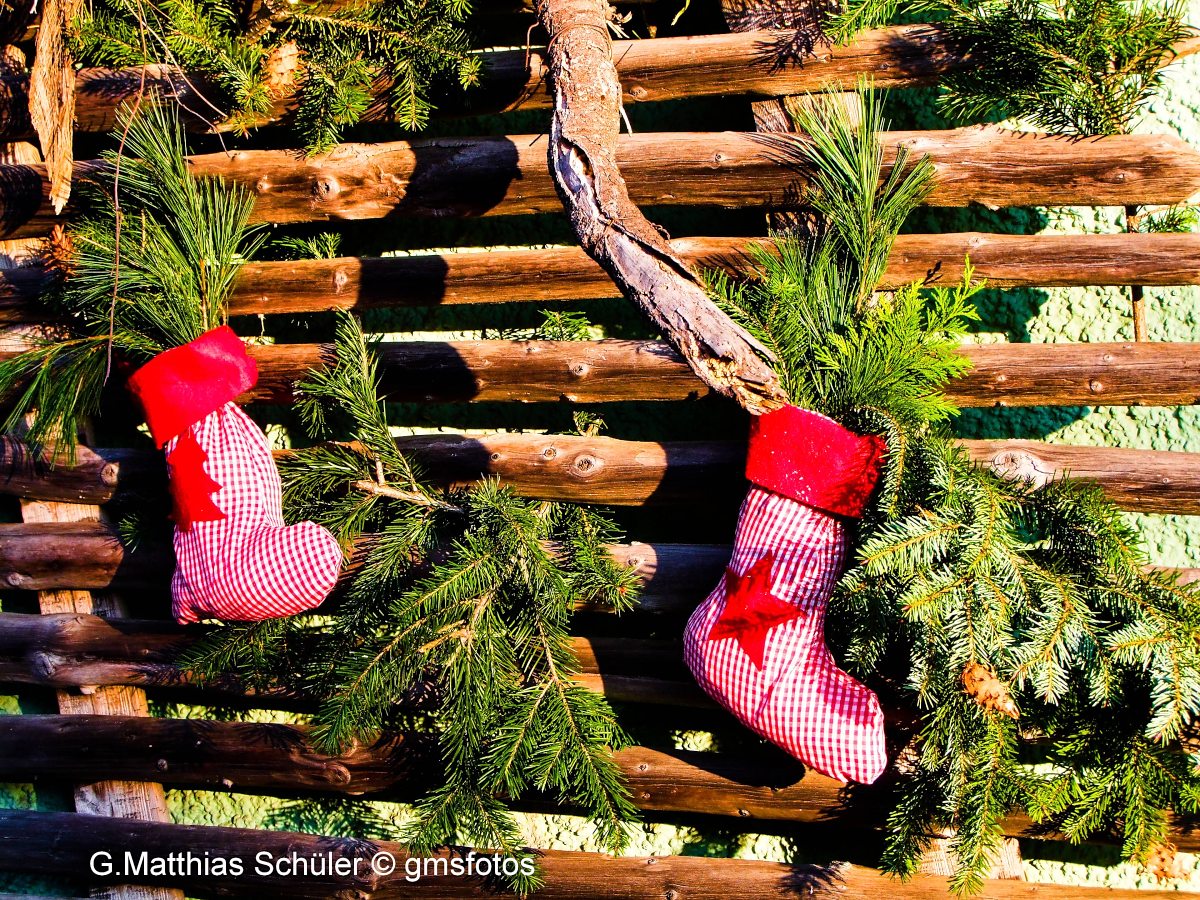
(77, 648)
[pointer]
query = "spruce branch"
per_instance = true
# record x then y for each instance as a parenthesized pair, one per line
(1042, 589)
(1082, 67)
(460, 606)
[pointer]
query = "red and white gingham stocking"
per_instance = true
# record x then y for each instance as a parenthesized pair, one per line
(236, 560)
(757, 643)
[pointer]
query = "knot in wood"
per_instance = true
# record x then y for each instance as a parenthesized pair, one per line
(14, 579)
(262, 185)
(108, 475)
(549, 453)
(1096, 386)
(162, 765)
(1020, 464)
(336, 773)
(586, 464)
(637, 92)
(341, 278)
(326, 188)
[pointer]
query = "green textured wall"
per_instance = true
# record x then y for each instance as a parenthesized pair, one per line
(1093, 314)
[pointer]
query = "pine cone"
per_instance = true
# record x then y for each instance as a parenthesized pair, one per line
(982, 685)
(282, 69)
(1163, 863)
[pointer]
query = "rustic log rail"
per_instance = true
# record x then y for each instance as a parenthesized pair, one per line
(53, 843)
(281, 759)
(1154, 374)
(616, 472)
(609, 371)
(82, 651)
(566, 273)
(754, 64)
(507, 175)
(89, 556)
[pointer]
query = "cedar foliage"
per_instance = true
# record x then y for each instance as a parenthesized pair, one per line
(958, 569)
(336, 56)
(460, 608)
(149, 267)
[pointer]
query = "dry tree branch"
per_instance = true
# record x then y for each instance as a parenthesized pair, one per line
(613, 231)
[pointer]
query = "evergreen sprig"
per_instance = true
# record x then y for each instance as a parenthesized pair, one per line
(956, 567)
(340, 56)
(150, 266)
(460, 607)
(1082, 67)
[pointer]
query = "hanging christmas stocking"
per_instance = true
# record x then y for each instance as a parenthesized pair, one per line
(757, 643)
(235, 558)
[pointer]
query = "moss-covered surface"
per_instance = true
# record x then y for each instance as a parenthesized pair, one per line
(1091, 314)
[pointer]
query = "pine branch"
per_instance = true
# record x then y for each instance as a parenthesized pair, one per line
(149, 267)
(341, 56)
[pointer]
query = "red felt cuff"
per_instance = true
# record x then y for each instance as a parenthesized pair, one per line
(811, 458)
(181, 386)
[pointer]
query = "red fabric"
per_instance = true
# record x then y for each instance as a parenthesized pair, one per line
(751, 610)
(191, 486)
(236, 559)
(810, 458)
(248, 564)
(778, 678)
(181, 386)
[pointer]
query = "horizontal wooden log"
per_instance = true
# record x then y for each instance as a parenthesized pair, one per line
(1155, 481)
(89, 556)
(54, 843)
(1154, 374)
(251, 757)
(281, 759)
(94, 477)
(78, 651)
(616, 472)
(755, 64)
(567, 273)
(442, 177)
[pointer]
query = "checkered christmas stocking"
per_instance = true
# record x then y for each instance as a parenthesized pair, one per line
(236, 560)
(757, 643)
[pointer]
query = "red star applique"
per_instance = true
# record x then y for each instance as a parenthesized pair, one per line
(191, 487)
(751, 610)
